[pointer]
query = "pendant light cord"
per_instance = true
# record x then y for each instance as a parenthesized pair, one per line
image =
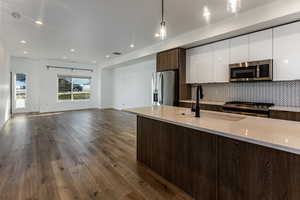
(162, 11)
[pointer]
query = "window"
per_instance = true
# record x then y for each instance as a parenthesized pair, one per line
(20, 90)
(81, 88)
(64, 88)
(74, 88)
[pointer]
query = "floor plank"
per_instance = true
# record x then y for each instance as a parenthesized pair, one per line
(89, 154)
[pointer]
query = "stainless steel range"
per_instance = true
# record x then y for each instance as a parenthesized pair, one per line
(248, 108)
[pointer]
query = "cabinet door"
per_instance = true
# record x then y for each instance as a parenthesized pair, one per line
(168, 60)
(200, 65)
(206, 69)
(261, 45)
(285, 115)
(287, 52)
(244, 171)
(185, 157)
(221, 61)
(161, 62)
(239, 49)
(173, 59)
(192, 66)
(191, 70)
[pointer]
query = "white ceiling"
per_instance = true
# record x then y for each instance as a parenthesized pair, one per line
(95, 28)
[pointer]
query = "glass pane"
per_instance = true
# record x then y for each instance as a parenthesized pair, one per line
(78, 96)
(81, 88)
(20, 90)
(64, 88)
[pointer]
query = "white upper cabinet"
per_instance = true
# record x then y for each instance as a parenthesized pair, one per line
(192, 66)
(287, 52)
(239, 49)
(252, 47)
(206, 72)
(200, 65)
(221, 61)
(261, 45)
(188, 67)
(210, 63)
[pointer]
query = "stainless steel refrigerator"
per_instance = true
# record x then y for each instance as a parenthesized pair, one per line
(164, 88)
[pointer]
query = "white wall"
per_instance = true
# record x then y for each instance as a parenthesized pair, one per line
(123, 87)
(107, 88)
(31, 69)
(4, 85)
(43, 85)
(128, 86)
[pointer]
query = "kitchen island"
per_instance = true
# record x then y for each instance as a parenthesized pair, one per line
(221, 156)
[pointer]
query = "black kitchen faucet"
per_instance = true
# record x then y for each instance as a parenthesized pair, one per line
(198, 97)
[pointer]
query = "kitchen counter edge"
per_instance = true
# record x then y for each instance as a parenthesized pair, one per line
(219, 133)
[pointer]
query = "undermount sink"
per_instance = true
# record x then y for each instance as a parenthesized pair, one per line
(220, 116)
(223, 116)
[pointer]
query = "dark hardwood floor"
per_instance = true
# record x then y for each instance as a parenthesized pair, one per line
(88, 154)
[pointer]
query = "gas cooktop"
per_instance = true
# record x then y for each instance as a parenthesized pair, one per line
(248, 108)
(250, 104)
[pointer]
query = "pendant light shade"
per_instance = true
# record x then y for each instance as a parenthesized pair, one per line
(163, 30)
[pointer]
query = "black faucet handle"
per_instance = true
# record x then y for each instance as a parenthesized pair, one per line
(201, 91)
(198, 97)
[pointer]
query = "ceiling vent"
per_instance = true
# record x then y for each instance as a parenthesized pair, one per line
(117, 53)
(16, 15)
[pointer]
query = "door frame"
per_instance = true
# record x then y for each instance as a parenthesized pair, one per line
(11, 94)
(14, 109)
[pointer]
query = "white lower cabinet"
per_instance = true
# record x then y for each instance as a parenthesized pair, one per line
(287, 52)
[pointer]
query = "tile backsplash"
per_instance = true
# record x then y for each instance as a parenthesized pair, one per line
(281, 93)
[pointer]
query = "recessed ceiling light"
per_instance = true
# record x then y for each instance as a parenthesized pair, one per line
(72, 50)
(94, 61)
(107, 56)
(64, 57)
(23, 42)
(233, 5)
(132, 46)
(25, 52)
(39, 22)
(206, 12)
(157, 35)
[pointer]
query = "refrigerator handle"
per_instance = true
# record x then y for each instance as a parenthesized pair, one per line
(162, 88)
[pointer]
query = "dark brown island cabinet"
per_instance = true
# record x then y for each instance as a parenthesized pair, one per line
(212, 167)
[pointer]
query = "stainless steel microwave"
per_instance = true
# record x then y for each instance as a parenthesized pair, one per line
(251, 71)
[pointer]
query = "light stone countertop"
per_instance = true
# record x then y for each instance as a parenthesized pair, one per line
(277, 134)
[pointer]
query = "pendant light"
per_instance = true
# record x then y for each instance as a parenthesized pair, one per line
(163, 29)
